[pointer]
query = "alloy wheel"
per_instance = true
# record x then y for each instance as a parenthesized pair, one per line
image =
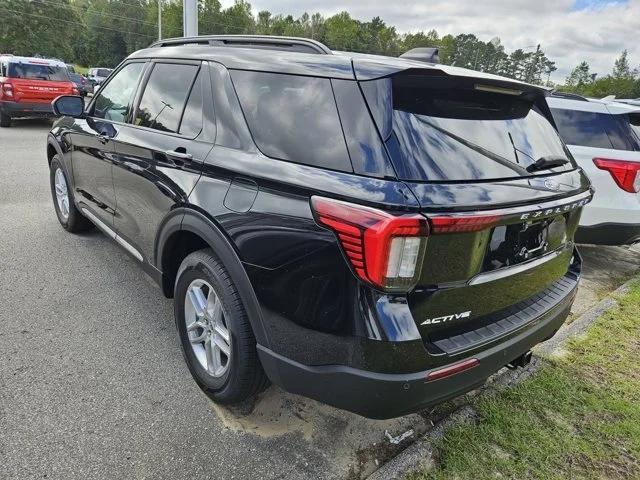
(206, 324)
(62, 193)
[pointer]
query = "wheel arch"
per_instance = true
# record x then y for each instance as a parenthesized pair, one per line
(53, 148)
(186, 230)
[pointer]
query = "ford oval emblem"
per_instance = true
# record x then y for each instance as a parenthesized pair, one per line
(552, 185)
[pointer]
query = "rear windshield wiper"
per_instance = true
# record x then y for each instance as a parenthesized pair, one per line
(487, 153)
(545, 163)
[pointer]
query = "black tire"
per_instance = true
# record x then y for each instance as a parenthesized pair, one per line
(74, 222)
(244, 377)
(5, 120)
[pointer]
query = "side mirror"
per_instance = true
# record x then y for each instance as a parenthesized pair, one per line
(68, 106)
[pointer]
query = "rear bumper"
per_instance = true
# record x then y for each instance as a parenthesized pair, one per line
(25, 109)
(383, 395)
(609, 234)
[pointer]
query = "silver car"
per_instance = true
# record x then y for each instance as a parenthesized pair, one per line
(97, 76)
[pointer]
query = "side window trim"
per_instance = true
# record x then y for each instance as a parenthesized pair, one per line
(186, 101)
(143, 85)
(91, 107)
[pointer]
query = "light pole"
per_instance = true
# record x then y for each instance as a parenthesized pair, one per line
(190, 18)
(159, 19)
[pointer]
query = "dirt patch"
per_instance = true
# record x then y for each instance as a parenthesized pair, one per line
(356, 445)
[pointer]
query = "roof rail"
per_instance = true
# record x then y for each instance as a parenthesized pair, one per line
(267, 42)
(572, 96)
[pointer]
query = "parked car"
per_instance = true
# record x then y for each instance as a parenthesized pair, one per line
(81, 84)
(28, 86)
(630, 101)
(604, 138)
(97, 76)
(377, 233)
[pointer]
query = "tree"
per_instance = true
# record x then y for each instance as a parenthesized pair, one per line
(104, 32)
(342, 32)
(579, 77)
(30, 28)
(621, 67)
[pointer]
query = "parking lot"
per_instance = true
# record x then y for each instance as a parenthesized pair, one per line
(92, 381)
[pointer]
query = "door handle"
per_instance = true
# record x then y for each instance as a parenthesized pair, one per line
(184, 156)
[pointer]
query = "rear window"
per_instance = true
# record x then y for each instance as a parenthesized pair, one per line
(592, 129)
(293, 118)
(103, 72)
(446, 130)
(35, 71)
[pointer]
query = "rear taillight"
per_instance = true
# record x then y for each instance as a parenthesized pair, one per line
(6, 90)
(625, 173)
(462, 223)
(384, 250)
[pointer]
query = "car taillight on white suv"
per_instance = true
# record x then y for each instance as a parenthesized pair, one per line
(626, 174)
(384, 250)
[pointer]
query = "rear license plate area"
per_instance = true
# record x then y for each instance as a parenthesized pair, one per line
(519, 242)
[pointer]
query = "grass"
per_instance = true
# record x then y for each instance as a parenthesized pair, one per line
(578, 417)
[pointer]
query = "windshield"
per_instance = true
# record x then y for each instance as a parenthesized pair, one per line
(446, 133)
(103, 72)
(38, 72)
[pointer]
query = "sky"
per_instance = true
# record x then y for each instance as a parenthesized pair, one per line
(568, 30)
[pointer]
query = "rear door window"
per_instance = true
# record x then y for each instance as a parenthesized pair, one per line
(440, 130)
(293, 118)
(164, 96)
(593, 129)
(33, 71)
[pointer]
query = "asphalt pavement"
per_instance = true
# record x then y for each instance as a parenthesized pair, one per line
(92, 381)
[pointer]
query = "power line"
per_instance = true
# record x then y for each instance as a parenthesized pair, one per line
(131, 19)
(75, 23)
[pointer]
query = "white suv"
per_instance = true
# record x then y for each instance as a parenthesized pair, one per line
(604, 138)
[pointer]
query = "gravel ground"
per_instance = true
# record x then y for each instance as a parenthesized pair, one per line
(92, 381)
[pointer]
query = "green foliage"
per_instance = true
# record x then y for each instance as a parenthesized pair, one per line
(580, 77)
(31, 28)
(104, 32)
(623, 82)
(579, 417)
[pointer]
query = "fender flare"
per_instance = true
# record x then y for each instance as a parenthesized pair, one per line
(187, 219)
(51, 140)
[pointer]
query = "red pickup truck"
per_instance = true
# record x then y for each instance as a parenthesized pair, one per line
(29, 85)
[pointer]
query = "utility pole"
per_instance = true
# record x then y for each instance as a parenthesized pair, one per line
(159, 19)
(190, 18)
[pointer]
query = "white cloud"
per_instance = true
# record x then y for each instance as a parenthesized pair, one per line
(568, 36)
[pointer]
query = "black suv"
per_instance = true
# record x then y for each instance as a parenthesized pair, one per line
(377, 233)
